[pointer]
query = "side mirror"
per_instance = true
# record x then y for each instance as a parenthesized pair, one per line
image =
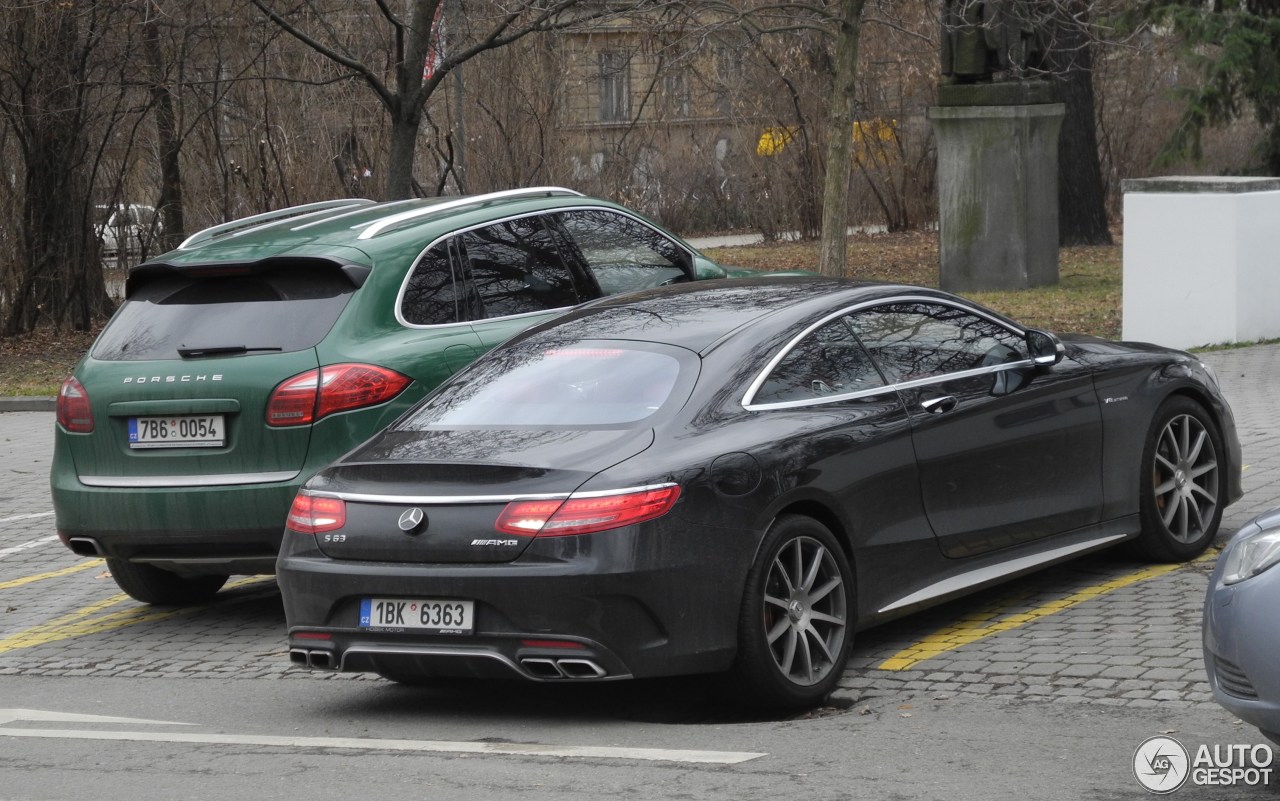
(1046, 349)
(704, 268)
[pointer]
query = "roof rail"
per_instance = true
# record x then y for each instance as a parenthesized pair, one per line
(386, 222)
(356, 210)
(200, 237)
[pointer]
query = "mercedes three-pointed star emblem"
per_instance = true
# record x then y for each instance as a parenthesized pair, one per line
(411, 519)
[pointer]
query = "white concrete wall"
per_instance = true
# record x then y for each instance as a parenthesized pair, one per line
(1201, 260)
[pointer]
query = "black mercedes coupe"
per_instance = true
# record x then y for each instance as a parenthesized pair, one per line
(736, 477)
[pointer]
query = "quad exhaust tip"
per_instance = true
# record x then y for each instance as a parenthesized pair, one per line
(551, 669)
(305, 657)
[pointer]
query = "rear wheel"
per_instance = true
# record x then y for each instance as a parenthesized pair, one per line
(796, 621)
(152, 585)
(1182, 486)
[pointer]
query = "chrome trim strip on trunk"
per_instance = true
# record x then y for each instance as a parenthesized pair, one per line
(438, 500)
(215, 480)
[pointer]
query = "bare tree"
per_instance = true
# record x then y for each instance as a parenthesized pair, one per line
(835, 193)
(45, 97)
(1082, 198)
(417, 58)
(168, 136)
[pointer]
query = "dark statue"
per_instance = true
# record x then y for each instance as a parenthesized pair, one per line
(981, 38)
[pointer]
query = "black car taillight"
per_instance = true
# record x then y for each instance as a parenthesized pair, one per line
(310, 396)
(74, 413)
(587, 513)
(314, 515)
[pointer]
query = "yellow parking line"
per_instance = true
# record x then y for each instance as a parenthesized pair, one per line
(87, 620)
(66, 571)
(988, 621)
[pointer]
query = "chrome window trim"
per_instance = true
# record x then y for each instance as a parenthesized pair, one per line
(885, 388)
(982, 575)
(749, 397)
(217, 480)
(404, 283)
(444, 500)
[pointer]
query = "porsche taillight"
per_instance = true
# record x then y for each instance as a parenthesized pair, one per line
(315, 394)
(312, 515)
(586, 513)
(74, 413)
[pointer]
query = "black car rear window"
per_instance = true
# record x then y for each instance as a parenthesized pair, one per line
(582, 384)
(283, 308)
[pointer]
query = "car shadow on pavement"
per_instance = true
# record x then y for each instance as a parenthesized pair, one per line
(694, 700)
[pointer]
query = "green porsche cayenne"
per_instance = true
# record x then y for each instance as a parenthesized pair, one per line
(262, 349)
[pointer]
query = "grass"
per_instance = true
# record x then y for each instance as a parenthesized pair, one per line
(1086, 299)
(37, 363)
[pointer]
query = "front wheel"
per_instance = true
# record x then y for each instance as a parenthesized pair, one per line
(152, 585)
(1182, 485)
(796, 621)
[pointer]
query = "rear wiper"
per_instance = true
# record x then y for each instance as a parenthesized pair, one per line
(221, 350)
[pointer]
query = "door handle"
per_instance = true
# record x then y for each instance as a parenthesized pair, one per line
(939, 405)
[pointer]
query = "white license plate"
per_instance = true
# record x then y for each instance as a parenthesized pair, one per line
(420, 614)
(178, 431)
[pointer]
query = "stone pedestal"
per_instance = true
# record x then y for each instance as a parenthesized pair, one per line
(997, 185)
(1201, 260)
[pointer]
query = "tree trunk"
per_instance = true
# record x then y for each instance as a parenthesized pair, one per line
(835, 188)
(60, 280)
(404, 141)
(1082, 209)
(170, 206)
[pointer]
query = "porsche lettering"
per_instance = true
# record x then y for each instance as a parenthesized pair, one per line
(172, 379)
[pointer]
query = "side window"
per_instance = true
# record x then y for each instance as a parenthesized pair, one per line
(516, 268)
(918, 340)
(431, 294)
(622, 253)
(827, 362)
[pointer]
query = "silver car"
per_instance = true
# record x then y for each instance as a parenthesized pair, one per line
(1241, 641)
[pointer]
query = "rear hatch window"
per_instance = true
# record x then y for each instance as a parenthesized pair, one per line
(173, 315)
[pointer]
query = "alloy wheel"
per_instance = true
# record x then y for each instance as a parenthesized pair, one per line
(805, 611)
(1185, 478)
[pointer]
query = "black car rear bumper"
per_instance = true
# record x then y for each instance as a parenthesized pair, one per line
(581, 608)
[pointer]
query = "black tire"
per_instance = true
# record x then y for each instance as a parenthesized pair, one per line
(794, 635)
(1182, 486)
(151, 585)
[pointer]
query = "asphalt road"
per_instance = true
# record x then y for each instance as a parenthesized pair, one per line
(1039, 689)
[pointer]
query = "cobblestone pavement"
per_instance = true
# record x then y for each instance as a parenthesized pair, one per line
(1104, 630)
